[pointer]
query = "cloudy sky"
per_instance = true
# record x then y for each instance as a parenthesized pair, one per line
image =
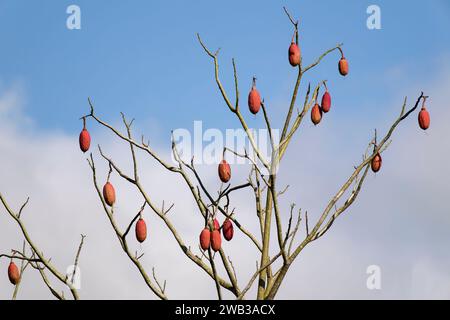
(143, 59)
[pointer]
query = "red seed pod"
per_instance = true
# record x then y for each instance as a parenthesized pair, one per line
(254, 99)
(141, 230)
(294, 52)
(326, 100)
(376, 163)
(316, 114)
(85, 140)
(216, 224)
(205, 239)
(216, 240)
(343, 64)
(343, 67)
(224, 171)
(13, 273)
(424, 116)
(109, 194)
(424, 119)
(228, 229)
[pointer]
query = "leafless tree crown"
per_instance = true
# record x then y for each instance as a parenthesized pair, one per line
(264, 187)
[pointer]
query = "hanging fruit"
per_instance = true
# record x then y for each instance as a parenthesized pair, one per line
(343, 64)
(205, 239)
(216, 240)
(316, 114)
(424, 116)
(13, 273)
(376, 163)
(141, 230)
(294, 52)
(326, 99)
(254, 99)
(109, 194)
(227, 229)
(224, 171)
(85, 138)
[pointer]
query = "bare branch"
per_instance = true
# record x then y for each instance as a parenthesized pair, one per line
(40, 255)
(77, 257)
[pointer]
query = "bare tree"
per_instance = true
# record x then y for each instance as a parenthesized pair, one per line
(262, 180)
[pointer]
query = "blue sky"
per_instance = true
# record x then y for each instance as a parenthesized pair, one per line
(143, 58)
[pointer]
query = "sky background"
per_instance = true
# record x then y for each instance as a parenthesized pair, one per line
(143, 58)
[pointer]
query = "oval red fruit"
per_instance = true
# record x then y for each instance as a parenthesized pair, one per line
(216, 224)
(316, 114)
(13, 273)
(294, 54)
(343, 66)
(205, 239)
(326, 102)
(141, 230)
(224, 171)
(376, 163)
(109, 194)
(228, 229)
(216, 240)
(85, 140)
(424, 119)
(254, 99)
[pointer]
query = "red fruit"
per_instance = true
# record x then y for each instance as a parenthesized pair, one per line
(316, 114)
(376, 163)
(141, 230)
(109, 194)
(343, 66)
(224, 171)
(227, 229)
(424, 119)
(254, 99)
(85, 140)
(205, 239)
(326, 102)
(13, 273)
(216, 224)
(216, 240)
(294, 54)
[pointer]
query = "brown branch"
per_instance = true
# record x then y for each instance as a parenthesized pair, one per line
(223, 211)
(133, 220)
(77, 257)
(120, 237)
(294, 22)
(337, 47)
(171, 228)
(216, 276)
(255, 275)
(163, 287)
(233, 109)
